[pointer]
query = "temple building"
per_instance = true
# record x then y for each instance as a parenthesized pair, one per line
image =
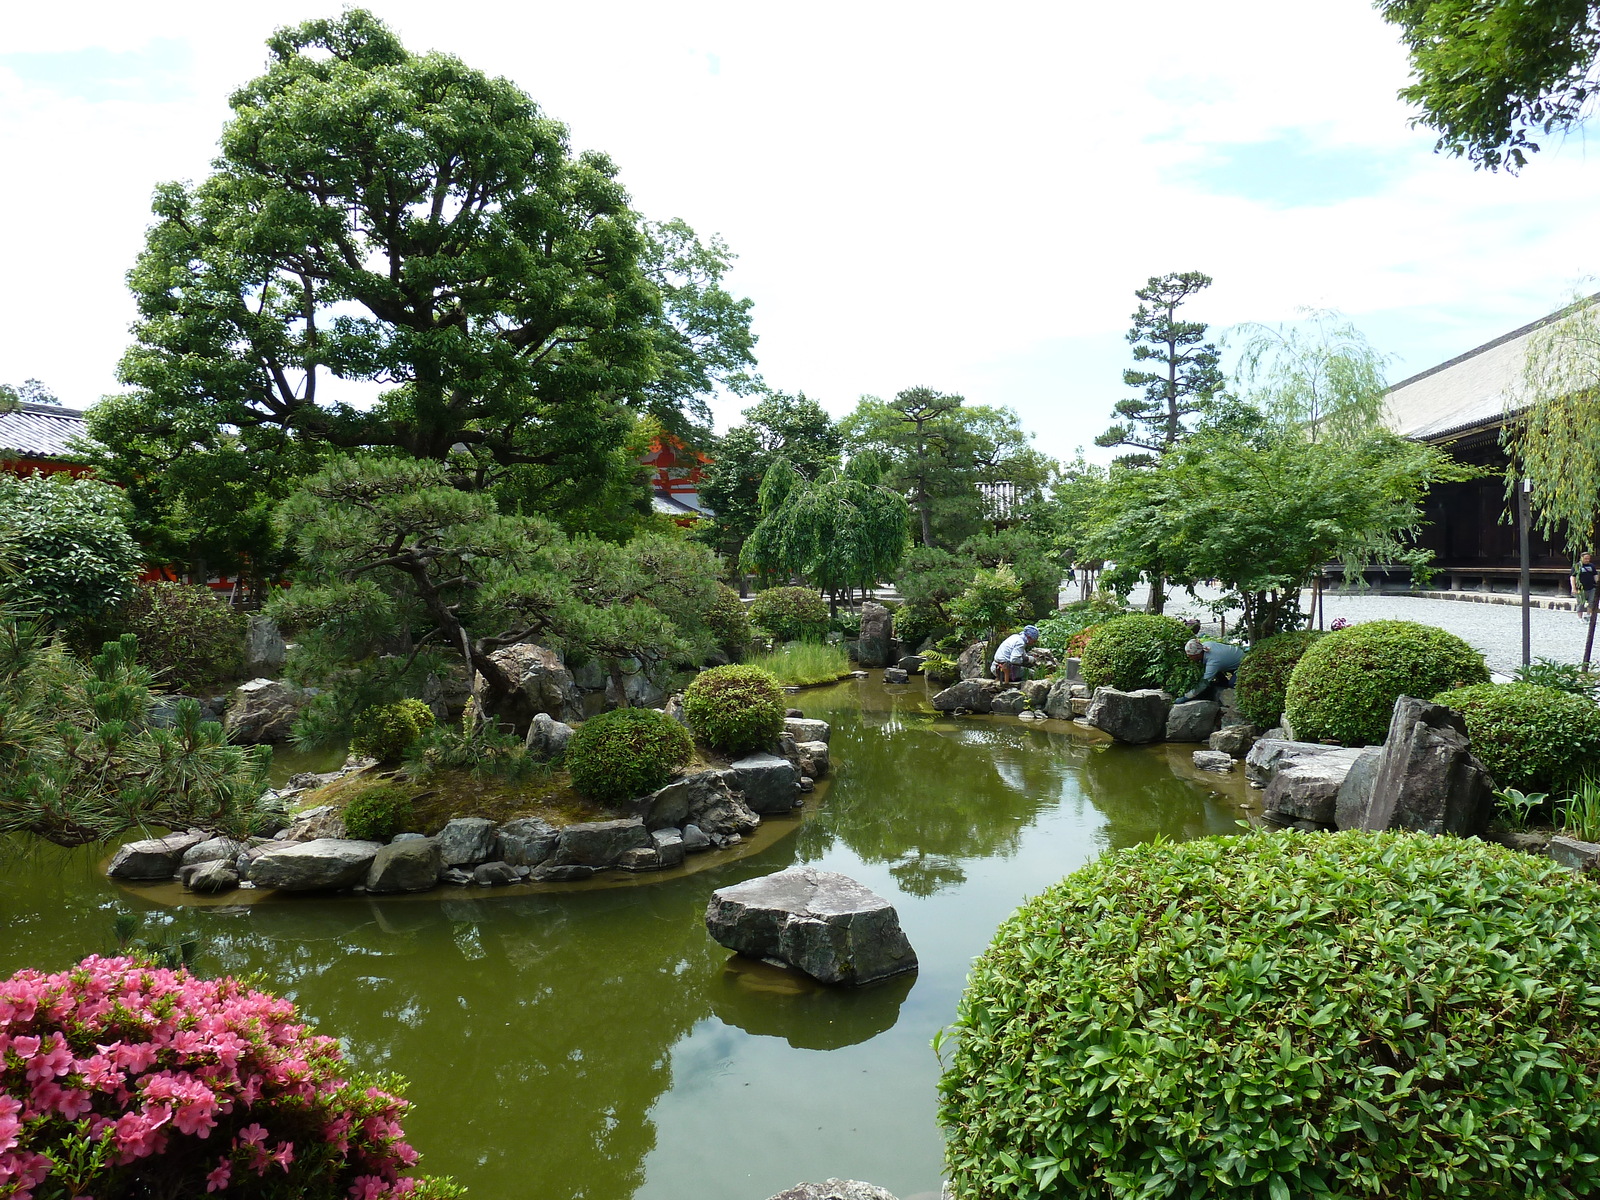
(38, 439)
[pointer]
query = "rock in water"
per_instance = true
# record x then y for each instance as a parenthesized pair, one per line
(1192, 721)
(263, 710)
(1427, 778)
(599, 844)
(709, 799)
(895, 675)
(213, 850)
(1234, 739)
(770, 784)
(813, 759)
(873, 644)
(1213, 760)
(547, 737)
(802, 730)
(152, 858)
(413, 865)
(1304, 790)
(314, 866)
(1269, 753)
(1133, 717)
(217, 875)
(494, 874)
(974, 695)
(1058, 701)
(819, 922)
(1009, 703)
(468, 841)
(834, 1189)
(528, 841)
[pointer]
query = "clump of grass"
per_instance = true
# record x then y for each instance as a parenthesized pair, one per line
(1580, 812)
(802, 663)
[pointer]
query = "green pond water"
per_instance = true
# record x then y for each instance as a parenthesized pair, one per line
(596, 1043)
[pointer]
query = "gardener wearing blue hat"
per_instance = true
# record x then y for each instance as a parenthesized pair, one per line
(1011, 659)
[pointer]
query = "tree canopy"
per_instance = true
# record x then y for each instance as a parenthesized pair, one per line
(1487, 75)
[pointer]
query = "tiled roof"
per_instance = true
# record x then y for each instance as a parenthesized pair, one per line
(42, 431)
(685, 504)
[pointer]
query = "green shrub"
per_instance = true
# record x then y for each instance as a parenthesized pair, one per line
(790, 614)
(484, 752)
(1529, 737)
(1140, 650)
(1264, 675)
(729, 624)
(70, 558)
(992, 604)
(193, 636)
(1344, 687)
(801, 664)
(735, 709)
(915, 623)
(386, 731)
(377, 814)
(1060, 627)
(1563, 676)
(627, 752)
(1285, 1015)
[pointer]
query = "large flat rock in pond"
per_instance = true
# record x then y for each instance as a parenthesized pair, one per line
(314, 866)
(770, 784)
(1133, 717)
(834, 1189)
(1269, 753)
(974, 695)
(413, 865)
(1304, 791)
(819, 922)
(803, 730)
(152, 858)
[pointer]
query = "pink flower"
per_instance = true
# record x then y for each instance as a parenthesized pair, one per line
(284, 1155)
(217, 1180)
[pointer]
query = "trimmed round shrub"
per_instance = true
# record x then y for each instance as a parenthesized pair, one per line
(1264, 675)
(1344, 687)
(191, 1086)
(626, 752)
(735, 709)
(386, 731)
(1139, 650)
(1285, 1015)
(1532, 738)
(727, 620)
(377, 814)
(791, 614)
(190, 635)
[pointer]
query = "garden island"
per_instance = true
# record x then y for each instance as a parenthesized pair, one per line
(436, 761)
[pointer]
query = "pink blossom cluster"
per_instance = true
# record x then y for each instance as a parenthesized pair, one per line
(198, 1082)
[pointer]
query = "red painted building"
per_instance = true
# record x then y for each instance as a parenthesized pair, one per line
(37, 439)
(675, 480)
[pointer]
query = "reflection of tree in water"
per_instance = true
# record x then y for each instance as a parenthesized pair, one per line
(1142, 799)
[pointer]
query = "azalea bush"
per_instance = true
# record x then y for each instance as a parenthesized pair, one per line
(119, 1079)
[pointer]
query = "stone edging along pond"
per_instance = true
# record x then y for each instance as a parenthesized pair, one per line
(696, 821)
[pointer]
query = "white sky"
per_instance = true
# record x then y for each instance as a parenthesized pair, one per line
(934, 194)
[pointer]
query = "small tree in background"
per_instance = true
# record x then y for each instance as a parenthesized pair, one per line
(1322, 377)
(67, 553)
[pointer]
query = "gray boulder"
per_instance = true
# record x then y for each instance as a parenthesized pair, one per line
(1133, 717)
(1072, 669)
(565, 873)
(1058, 701)
(213, 876)
(547, 737)
(1009, 703)
(599, 844)
(895, 675)
(669, 846)
(834, 1189)
(494, 874)
(874, 643)
(819, 922)
(314, 866)
(1355, 793)
(973, 662)
(910, 663)
(695, 839)
(528, 841)
(264, 648)
(263, 710)
(1427, 778)
(802, 730)
(1303, 791)
(640, 858)
(152, 858)
(1234, 739)
(468, 841)
(674, 709)
(323, 821)
(413, 865)
(974, 695)
(638, 689)
(813, 759)
(1192, 721)
(710, 799)
(1036, 691)
(1269, 752)
(540, 683)
(1213, 760)
(1573, 854)
(215, 849)
(770, 784)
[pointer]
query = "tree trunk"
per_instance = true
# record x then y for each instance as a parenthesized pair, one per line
(1157, 604)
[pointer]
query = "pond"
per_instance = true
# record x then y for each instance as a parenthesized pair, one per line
(598, 1044)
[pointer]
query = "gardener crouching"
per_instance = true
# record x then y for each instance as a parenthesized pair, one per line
(1221, 660)
(1010, 663)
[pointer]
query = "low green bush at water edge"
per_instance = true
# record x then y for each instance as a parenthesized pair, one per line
(626, 752)
(800, 664)
(1285, 1015)
(735, 709)
(1139, 650)
(377, 814)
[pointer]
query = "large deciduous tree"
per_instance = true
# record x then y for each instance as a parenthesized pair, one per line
(1489, 74)
(1320, 376)
(394, 251)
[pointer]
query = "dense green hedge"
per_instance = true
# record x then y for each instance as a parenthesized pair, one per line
(1058, 629)
(189, 634)
(1140, 650)
(386, 731)
(791, 614)
(1532, 738)
(728, 622)
(1344, 687)
(379, 813)
(626, 752)
(1264, 675)
(1285, 1015)
(735, 709)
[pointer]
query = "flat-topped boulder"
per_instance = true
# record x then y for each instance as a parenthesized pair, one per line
(803, 730)
(468, 841)
(528, 841)
(834, 1189)
(1269, 753)
(820, 922)
(314, 866)
(1235, 739)
(152, 858)
(412, 865)
(814, 760)
(1304, 791)
(973, 695)
(599, 844)
(770, 784)
(1133, 717)
(1193, 720)
(1009, 703)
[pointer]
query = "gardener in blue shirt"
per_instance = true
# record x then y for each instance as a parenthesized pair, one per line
(1222, 659)
(1010, 663)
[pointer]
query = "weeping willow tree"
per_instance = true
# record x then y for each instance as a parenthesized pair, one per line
(840, 530)
(1554, 441)
(1321, 376)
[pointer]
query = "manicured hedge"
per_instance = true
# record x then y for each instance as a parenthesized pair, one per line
(1285, 1015)
(1264, 675)
(386, 731)
(1532, 738)
(378, 813)
(626, 752)
(726, 619)
(791, 614)
(735, 709)
(1344, 687)
(1140, 650)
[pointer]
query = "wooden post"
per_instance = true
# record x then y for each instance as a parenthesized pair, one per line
(1527, 601)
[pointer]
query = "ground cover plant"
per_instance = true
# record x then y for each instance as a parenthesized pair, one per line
(195, 636)
(122, 1080)
(1285, 1015)
(735, 709)
(1344, 687)
(626, 752)
(803, 664)
(1139, 650)
(1529, 737)
(1263, 676)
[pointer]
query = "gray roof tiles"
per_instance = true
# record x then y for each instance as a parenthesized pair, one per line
(42, 431)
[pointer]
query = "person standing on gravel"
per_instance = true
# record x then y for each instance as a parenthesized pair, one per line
(1583, 579)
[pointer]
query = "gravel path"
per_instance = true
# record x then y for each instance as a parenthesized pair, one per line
(1493, 629)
